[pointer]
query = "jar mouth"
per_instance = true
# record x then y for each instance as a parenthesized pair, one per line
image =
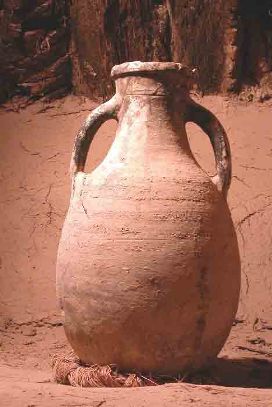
(138, 67)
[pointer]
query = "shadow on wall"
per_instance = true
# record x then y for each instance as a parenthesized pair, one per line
(110, 32)
(197, 29)
(254, 60)
(141, 31)
(228, 42)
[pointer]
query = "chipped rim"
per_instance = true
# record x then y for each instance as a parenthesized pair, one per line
(142, 67)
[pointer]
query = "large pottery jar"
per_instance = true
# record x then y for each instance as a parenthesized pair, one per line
(148, 270)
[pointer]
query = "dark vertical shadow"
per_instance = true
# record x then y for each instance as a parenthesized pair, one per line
(254, 58)
(244, 372)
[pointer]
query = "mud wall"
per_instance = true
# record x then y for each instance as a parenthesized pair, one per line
(253, 65)
(106, 32)
(34, 48)
(228, 42)
(203, 36)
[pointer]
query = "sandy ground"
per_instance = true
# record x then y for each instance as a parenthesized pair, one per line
(34, 159)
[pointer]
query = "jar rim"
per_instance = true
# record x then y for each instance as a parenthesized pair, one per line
(128, 68)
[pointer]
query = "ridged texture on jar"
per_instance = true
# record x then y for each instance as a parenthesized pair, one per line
(148, 271)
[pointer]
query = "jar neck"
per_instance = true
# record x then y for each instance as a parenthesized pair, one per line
(158, 84)
(161, 96)
(160, 110)
(151, 126)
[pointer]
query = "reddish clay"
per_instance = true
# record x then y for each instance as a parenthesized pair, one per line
(148, 271)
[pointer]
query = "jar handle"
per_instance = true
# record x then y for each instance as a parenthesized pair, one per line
(213, 128)
(85, 136)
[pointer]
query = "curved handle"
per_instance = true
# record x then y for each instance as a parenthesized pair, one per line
(219, 140)
(87, 132)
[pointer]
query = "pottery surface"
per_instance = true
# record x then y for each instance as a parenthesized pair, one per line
(148, 268)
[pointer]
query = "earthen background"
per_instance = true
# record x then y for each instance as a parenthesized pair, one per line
(232, 55)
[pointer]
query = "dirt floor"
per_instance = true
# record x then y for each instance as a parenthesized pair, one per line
(35, 150)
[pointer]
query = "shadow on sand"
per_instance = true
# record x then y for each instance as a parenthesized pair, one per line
(245, 372)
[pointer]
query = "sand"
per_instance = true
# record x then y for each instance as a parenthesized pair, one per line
(34, 155)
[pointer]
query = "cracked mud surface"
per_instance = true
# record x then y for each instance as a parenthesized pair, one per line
(35, 148)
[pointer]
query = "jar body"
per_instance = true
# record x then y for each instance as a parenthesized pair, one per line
(148, 271)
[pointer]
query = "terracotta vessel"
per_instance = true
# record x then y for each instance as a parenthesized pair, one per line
(148, 270)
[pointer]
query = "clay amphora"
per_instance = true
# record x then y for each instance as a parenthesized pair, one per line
(148, 270)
